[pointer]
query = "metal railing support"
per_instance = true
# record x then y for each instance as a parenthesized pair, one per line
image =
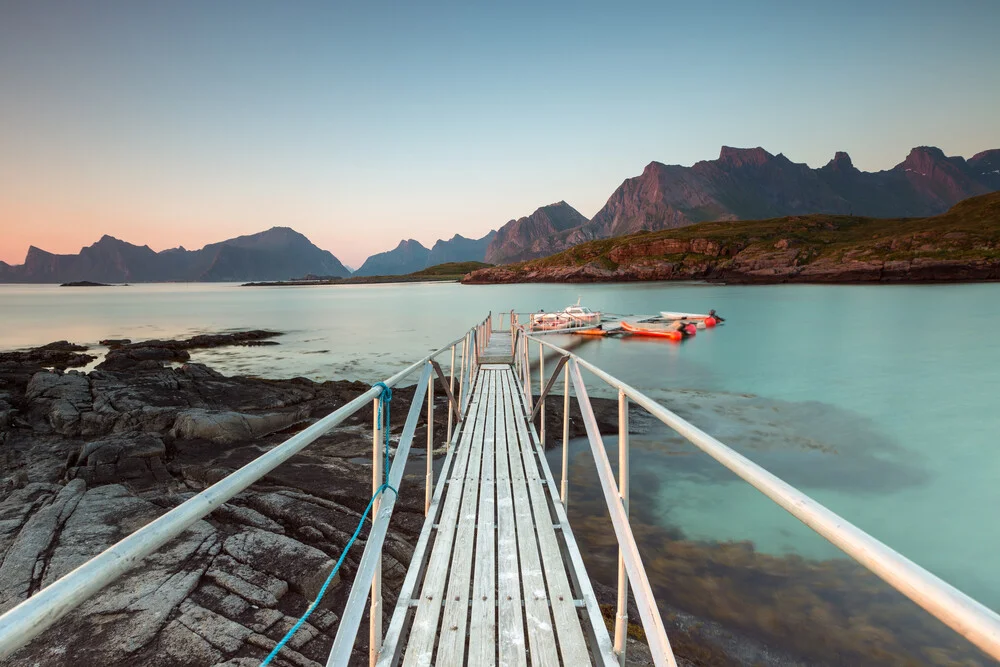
(474, 367)
(541, 398)
(429, 488)
(451, 391)
(528, 398)
(621, 616)
(563, 486)
(350, 620)
(462, 384)
(549, 385)
(375, 611)
(652, 624)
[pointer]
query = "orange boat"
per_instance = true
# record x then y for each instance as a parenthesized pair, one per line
(669, 334)
(592, 332)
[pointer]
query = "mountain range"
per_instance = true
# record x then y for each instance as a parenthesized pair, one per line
(411, 256)
(742, 184)
(752, 184)
(279, 253)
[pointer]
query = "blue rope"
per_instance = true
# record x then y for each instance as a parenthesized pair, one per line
(383, 410)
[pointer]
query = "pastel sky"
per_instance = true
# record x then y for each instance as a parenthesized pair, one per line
(182, 123)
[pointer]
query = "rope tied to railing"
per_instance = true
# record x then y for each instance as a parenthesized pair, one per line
(384, 420)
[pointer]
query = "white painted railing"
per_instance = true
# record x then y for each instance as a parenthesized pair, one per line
(966, 616)
(33, 616)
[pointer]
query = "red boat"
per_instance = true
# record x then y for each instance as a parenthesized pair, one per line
(655, 331)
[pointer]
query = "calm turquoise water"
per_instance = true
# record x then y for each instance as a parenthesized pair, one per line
(882, 402)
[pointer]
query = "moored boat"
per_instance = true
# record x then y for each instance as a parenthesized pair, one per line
(668, 331)
(670, 315)
(572, 316)
(710, 319)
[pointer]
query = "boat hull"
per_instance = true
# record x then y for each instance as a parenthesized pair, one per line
(636, 330)
(670, 315)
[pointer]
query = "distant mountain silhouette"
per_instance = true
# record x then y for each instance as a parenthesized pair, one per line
(750, 184)
(279, 253)
(410, 255)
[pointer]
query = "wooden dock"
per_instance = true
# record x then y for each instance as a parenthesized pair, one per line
(497, 578)
(499, 349)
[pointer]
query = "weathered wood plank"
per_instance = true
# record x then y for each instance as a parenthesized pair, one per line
(510, 623)
(541, 636)
(571, 641)
(423, 633)
(451, 638)
(389, 656)
(483, 626)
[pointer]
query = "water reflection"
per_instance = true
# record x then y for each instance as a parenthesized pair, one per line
(828, 611)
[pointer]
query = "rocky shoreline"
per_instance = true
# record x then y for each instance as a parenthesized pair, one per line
(760, 272)
(87, 458)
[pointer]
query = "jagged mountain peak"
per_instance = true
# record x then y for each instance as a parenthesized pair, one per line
(744, 157)
(840, 163)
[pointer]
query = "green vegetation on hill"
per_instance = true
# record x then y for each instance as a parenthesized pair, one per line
(963, 243)
(450, 270)
(442, 272)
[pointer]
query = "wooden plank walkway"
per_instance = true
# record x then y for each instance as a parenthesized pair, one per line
(498, 350)
(499, 575)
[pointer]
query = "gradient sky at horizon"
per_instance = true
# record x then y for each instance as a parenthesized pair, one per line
(185, 123)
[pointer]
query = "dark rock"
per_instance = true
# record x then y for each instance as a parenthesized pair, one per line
(86, 459)
(59, 355)
(116, 342)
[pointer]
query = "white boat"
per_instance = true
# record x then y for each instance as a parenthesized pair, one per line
(670, 315)
(572, 316)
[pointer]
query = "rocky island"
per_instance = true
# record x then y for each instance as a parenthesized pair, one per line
(84, 283)
(962, 244)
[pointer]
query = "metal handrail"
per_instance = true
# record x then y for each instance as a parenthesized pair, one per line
(969, 618)
(631, 571)
(33, 616)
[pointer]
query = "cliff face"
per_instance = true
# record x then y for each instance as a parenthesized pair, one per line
(276, 254)
(751, 183)
(962, 244)
(535, 235)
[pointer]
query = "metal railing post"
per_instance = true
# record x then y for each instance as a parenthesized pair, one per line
(526, 373)
(375, 612)
(541, 385)
(474, 367)
(429, 489)
(621, 616)
(461, 375)
(451, 388)
(563, 495)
